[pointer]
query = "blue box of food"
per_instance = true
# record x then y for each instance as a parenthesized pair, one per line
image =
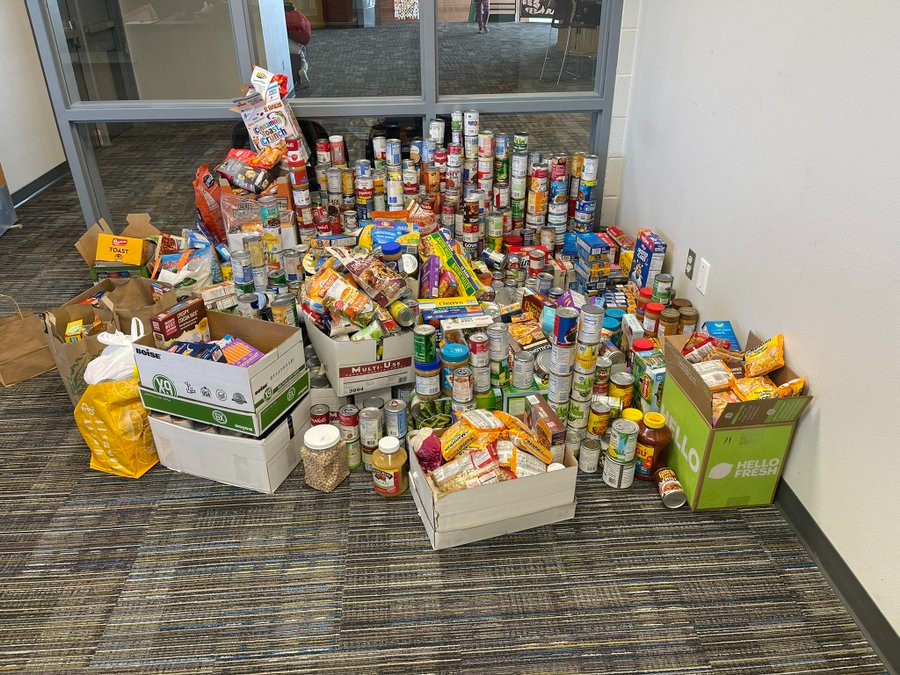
(649, 254)
(722, 330)
(593, 247)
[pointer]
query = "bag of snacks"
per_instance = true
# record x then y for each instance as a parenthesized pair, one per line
(764, 359)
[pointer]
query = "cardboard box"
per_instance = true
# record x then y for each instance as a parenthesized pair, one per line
(649, 371)
(259, 464)
(493, 510)
(739, 460)
(540, 416)
(184, 322)
(649, 254)
(513, 400)
(248, 400)
(139, 226)
(354, 367)
(124, 250)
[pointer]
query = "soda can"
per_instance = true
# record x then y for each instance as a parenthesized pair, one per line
(393, 150)
(565, 326)
(395, 418)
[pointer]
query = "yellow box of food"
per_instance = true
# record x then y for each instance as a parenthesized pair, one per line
(119, 249)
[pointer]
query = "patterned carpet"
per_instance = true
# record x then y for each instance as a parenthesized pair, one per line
(176, 574)
(508, 59)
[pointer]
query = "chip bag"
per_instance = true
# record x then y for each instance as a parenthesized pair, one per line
(764, 359)
(337, 295)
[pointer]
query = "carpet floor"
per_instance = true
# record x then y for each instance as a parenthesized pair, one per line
(172, 573)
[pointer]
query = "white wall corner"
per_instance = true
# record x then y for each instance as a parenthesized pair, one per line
(609, 211)
(620, 97)
(627, 41)
(630, 13)
(613, 177)
(617, 137)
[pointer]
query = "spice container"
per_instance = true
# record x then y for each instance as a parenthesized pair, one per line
(389, 471)
(324, 458)
(428, 380)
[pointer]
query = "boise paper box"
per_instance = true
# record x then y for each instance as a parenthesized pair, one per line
(248, 400)
(138, 227)
(260, 464)
(355, 367)
(493, 510)
(738, 460)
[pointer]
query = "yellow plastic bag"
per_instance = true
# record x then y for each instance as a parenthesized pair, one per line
(114, 425)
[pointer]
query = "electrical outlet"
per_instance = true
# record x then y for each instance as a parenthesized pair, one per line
(689, 265)
(702, 276)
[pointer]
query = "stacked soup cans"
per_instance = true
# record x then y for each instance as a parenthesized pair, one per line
(586, 351)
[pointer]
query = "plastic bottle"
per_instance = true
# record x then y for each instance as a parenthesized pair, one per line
(652, 444)
(389, 471)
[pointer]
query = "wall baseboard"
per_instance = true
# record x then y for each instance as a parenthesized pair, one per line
(874, 625)
(40, 184)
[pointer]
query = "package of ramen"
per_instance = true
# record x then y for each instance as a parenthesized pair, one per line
(754, 388)
(764, 359)
(720, 399)
(791, 388)
(716, 375)
(339, 296)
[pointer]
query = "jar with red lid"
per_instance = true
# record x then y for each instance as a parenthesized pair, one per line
(644, 296)
(652, 312)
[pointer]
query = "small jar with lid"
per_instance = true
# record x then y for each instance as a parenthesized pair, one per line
(644, 296)
(652, 445)
(389, 471)
(325, 462)
(669, 320)
(652, 312)
(428, 380)
(634, 415)
(453, 356)
(390, 254)
(687, 321)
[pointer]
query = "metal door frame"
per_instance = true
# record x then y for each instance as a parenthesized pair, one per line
(73, 115)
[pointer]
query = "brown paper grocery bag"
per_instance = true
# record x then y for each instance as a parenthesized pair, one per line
(135, 299)
(23, 351)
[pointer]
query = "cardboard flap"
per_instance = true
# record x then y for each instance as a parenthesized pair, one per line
(87, 244)
(679, 369)
(139, 226)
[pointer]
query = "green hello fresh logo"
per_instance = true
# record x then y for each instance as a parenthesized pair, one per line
(164, 385)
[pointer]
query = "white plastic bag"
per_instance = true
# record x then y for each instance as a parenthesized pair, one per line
(195, 275)
(116, 361)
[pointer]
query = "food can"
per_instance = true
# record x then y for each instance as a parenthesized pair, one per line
(395, 418)
(559, 387)
(582, 385)
(284, 310)
(669, 487)
(354, 454)
(338, 153)
(590, 168)
(498, 338)
(537, 261)
(574, 438)
(598, 420)
(462, 388)
(470, 123)
(621, 385)
(319, 414)
(623, 441)
(323, 152)
(589, 456)
(293, 265)
(482, 378)
(523, 370)
(241, 269)
(256, 247)
(601, 376)
(562, 359)
(590, 324)
(544, 282)
(261, 278)
(371, 427)
(662, 288)
(348, 422)
(616, 473)
(392, 151)
(565, 326)
(424, 343)
(578, 413)
(436, 128)
(248, 305)
(520, 142)
(479, 350)
(486, 144)
(586, 358)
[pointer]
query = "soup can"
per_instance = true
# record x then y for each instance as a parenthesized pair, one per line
(395, 418)
(319, 414)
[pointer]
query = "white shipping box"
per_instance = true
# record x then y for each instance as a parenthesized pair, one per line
(354, 367)
(493, 510)
(259, 464)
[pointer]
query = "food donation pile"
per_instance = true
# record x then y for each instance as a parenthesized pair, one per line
(466, 326)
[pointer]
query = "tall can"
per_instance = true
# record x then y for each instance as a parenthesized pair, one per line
(601, 376)
(241, 269)
(498, 337)
(559, 388)
(395, 418)
(565, 326)
(479, 350)
(520, 142)
(523, 370)
(470, 123)
(623, 440)
(462, 385)
(590, 324)
(256, 247)
(393, 151)
(562, 359)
